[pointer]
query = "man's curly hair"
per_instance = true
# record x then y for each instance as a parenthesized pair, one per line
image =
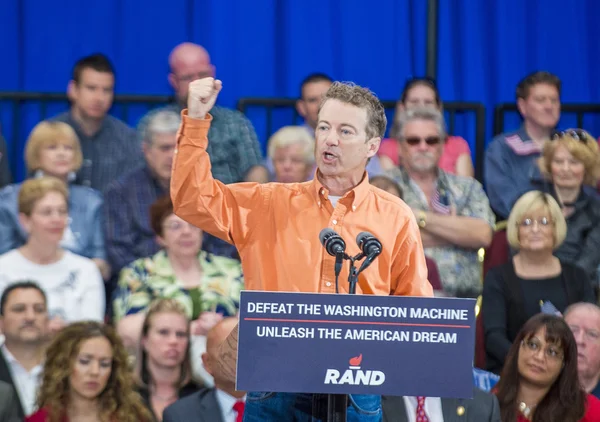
(117, 402)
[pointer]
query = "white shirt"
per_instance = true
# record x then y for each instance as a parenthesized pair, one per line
(433, 408)
(226, 403)
(26, 383)
(73, 285)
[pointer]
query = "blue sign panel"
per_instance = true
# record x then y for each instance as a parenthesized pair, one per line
(356, 344)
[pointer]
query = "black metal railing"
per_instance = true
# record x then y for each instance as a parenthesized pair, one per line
(16, 101)
(578, 109)
(451, 109)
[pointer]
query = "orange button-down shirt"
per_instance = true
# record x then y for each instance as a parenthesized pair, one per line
(275, 226)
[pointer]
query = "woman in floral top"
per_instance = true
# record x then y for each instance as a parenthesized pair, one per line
(207, 286)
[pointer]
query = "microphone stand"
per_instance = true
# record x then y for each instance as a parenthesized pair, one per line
(337, 404)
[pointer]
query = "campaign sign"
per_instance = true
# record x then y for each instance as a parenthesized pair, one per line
(356, 344)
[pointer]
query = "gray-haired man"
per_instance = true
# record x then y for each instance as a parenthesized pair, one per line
(128, 199)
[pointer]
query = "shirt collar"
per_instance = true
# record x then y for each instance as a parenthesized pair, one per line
(13, 360)
(71, 120)
(154, 180)
(357, 195)
(227, 401)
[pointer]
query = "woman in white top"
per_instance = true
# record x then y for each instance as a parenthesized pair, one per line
(72, 283)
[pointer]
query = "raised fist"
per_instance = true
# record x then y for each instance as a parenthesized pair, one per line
(202, 95)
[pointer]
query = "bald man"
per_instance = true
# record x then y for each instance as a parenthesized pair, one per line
(220, 404)
(235, 155)
(234, 150)
(584, 320)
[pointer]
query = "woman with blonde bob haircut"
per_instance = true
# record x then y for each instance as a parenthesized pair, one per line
(291, 149)
(53, 150)
(570, 164)
(534, 280)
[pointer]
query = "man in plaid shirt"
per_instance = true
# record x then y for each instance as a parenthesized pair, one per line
(110, 147)
(234, 149)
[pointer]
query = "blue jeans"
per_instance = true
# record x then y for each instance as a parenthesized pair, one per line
(300, 407)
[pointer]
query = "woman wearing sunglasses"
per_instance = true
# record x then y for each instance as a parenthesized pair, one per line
(539, 381)
(423, 92)
(570, 164)
(533, 281)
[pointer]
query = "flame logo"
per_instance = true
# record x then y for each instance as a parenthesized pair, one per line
(355, 361)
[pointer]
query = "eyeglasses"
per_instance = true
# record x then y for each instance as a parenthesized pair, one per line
(530, 222)
(552, 352)
(579, 134)
(430, 140)
(176, 226)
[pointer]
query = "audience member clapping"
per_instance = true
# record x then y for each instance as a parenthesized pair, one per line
(87, 378)
(72, 283)
(53, 150)
(534, 280)
(539, 380)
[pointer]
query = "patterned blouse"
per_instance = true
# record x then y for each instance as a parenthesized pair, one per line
(147, 279)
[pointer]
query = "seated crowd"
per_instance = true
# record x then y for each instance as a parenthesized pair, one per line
(113, 307)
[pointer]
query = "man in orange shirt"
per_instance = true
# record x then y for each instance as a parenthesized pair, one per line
(276, 226)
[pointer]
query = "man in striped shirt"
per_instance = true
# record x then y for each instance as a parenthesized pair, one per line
(453, 211)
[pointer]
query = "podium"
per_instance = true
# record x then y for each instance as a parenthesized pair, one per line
(339, 344)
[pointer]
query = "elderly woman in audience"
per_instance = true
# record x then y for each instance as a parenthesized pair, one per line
(291, 151)
(570, 162)
(423, 92)
(534, 280)
(86, 377)
(53, 150)
(207, 286)
(72, 283)
(164, 372)
(539, 381)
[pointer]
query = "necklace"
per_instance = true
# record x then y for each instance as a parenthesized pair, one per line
(162, 398)
(525, 409)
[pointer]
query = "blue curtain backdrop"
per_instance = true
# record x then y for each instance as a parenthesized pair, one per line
(264, 48)
(487, 46)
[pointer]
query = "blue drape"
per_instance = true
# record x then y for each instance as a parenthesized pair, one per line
(487, 46)
(264, 48)
(260, 48)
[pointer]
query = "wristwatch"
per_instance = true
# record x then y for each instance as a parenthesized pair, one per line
(422, 219)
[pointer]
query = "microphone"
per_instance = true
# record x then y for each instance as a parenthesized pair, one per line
(370, 247)
(368, 244)
(335, 246)
(332, 242)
